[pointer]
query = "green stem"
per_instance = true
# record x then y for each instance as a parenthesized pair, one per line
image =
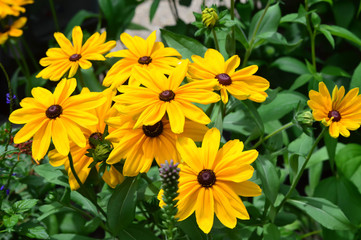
(30, 53)
(25, 67)
(8, 181)
(299, 174)
(11, 109)
(89, 196)
(284, 127)
(233, 30)
(312, 36)
(53, 12)
(215, 39)
(253, 38)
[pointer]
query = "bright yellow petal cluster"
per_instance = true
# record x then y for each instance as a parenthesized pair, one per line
(13, 7)
(211, 180)
(55, 116)
(13, 30)
(72, 55)
(81, 162)
(144, 53)
(209, 17)
(340, 113)
(163, 95)
(241, 84)
(141, 145)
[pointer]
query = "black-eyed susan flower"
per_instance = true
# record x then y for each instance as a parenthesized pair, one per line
(72, 55)
(81, 161)
(13, 30)
(242, 84)
(211, 180)
(340, 113)
(55, 116)
(145, 53)
(141, 145)
(165, 95)
(13, 7)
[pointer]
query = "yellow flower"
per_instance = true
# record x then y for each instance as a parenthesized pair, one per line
(211, 180)
(141, 145)
(340, 113)
(13, 30)
(165, 95)
(70, 56)
(12, 7)
(145, 53)
(80, 160)
(209, 17)
(56, 116)
(242, 84)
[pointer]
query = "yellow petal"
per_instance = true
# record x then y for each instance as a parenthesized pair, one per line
(41, 141)
(60, 137)
(176, 116)
(77, 37)
(190, 154)
(205, 209)
(210, 146)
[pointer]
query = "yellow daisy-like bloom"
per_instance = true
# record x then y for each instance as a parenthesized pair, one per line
(340, 113)
(211, 180)
(57, 116)
(145, 53)
(13, 30)
(141, 145)
(209, 17)
(13, 7)
(242, 84)
(80, 160)
(70, 56)
(165, 95)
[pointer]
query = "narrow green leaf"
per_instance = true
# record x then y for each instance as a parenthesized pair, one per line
(335, 71)
(186, 46)
(312, 2)
(356, 78)
(291, 65)
(153, 9)
(270, 179)
(343, 33)
(323, 211)
(300, 81)
(327, 35)
(78, 19)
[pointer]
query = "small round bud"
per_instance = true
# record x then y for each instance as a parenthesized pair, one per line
(209, 17)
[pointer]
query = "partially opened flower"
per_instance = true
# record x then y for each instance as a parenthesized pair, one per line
(163, 95)
(80, 159)
(340, 113)
(13, 30)
(55, 116)
(141, 145)
(145, 53)
(211, 180)
(242, 84)
(70, 56)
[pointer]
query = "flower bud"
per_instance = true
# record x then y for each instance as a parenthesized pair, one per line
(209, 17)
(304, 118)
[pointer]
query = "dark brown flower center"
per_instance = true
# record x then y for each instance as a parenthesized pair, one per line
(224, 79)
(74, 57)
(97, 136)
(54, 111)
(167, 95)
(335, 114)
(206, 178)
(153, 130)
(145, 60)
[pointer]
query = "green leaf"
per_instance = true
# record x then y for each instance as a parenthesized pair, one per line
(335, 71)
(78, 19)
(50, 209)
(32, 231)
(302, 145)
(343, 33)
(134, 232)
(271, 232)
(52, 174)
(312, 2)
(241, 37)
(356, 77)
(284, 103)
(342, 193)
(327, 35)
(84, 202)
(270, 179)
(269, 23)
(186, 46)
(301, 80)
(323, 211)
(121, 205)
(348, 162)
(153, 9)
(10, 221)
(67, 236)
(291, 65)
(190, 228)
(24, 205)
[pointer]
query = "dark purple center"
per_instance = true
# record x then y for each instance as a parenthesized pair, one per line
(167, 95)
(95, 136)
(224, 79)
(145, 60)
(153, 130)
(206, 178)
(54, 111)
(74, 57)
(335, 114)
